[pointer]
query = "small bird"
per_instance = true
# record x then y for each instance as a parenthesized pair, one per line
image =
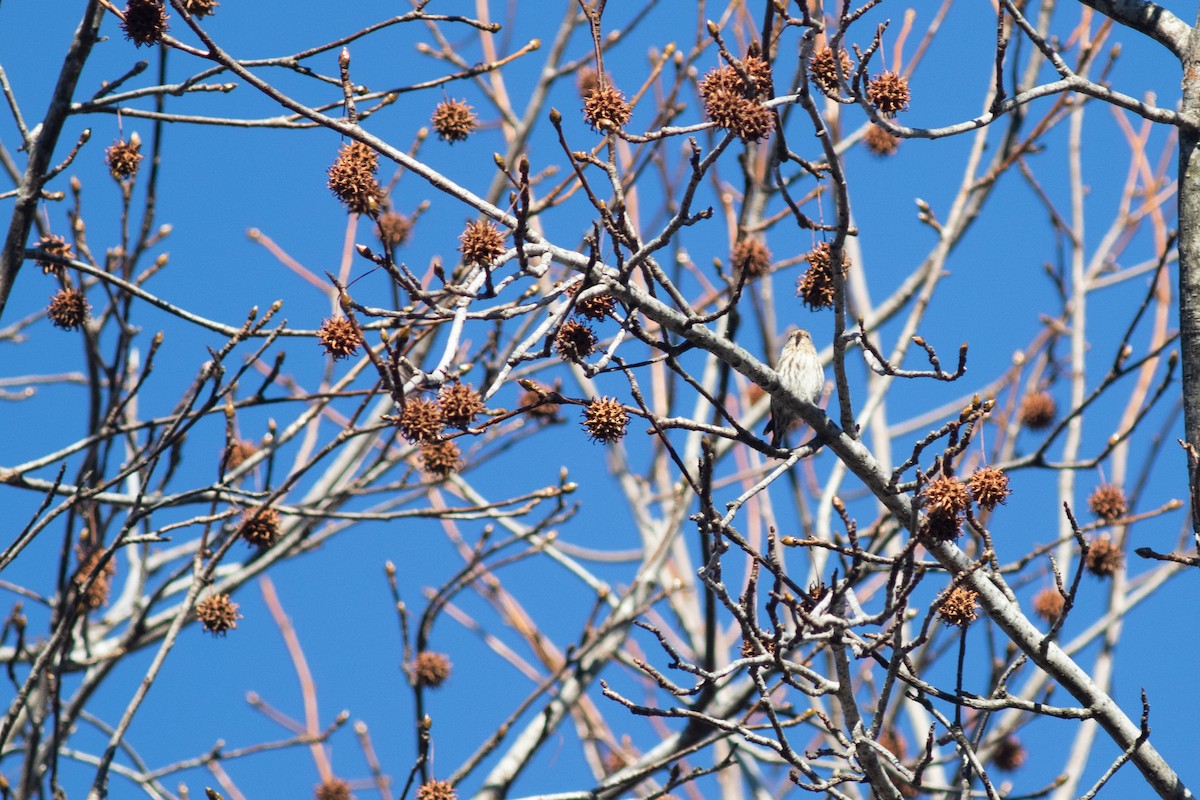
(801, 373)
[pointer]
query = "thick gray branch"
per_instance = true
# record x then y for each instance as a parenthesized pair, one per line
(1149, 18)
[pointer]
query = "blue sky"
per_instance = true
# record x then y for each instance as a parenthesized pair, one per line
(219, 182)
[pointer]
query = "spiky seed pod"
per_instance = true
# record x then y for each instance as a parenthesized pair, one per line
(1104, 557)
(57, 247)
(453, 120)
(597, 306)
(352, 178)
(339, 337)
(145, 22)
(727, 79)
(989, 486)
(1037, 410)
(941, 528)
(1049, 604)
(239, 451)
(201, 8)
(815, 288)
(95, 595)
(586, 81)
(605, 108)
(1108, 502)
(430, 669)
(748, 650)
(822, 69)
(541, 411)
(957, 606)
(605, 420)
(880, 142)
(218, 614)
(946, 496)
(1009, 755)
(741, 116)
(69, 309)
(420, 420)
(460, 404)
(260, 527)
(124, 157)
(759, 71)
(945, 500)
(441, 459)
(437, 790)
(574, 341)
(481, 243)
(721, 79)
(394, 229)
(889, 93)
(750, 257)
(333, 789)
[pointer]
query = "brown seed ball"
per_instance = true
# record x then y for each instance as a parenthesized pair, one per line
(339, 337)
(605, 420)
(431, 669)
(56, 247)
(574, 341)
(1037, 410)
(758, 71)
(218, 614)
(1108, 502)
(352, 178)
(333, 789)
(586, 81)
(989, 486)
(596, 306)
(460, 404)
(238, 451)
(453, 120)
(822, 69)
(124, 157)
(201, 8)
(889, 93)
(815, 288)
(69, 309)
(957, 607)
(880, 142)
(394, 229)
(1049, 604)
(726, 78)
(539, 407)
(946, 497)
(605, 108)
(145, 22)
(750, 257)
(481, 243)
(941, 527)
(420, 420)
(440, 459)
(95, 595)
(437, 790)
(721, 79)
(260, 527)
(741, 116)
(1010, 755)
(1104, 557)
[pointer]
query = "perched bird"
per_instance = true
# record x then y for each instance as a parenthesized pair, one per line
(801, 373)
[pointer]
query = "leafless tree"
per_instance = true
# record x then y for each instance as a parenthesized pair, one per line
(800, 610)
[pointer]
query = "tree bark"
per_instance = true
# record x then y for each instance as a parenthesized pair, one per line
(1189, 260)
(41, 145)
